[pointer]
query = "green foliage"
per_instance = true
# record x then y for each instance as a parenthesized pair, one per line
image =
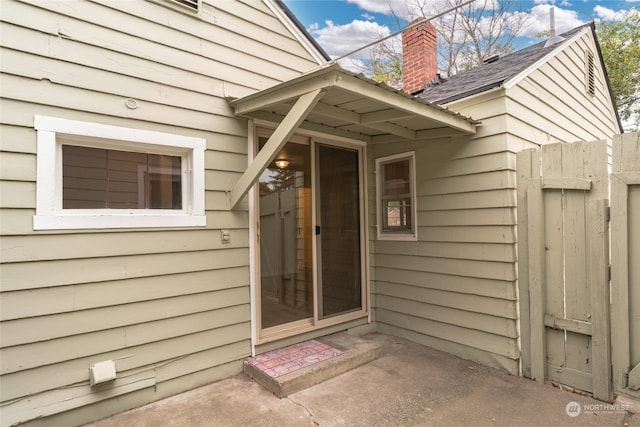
(388, 70)
(620, 45)
(543, 34)
(386, 65)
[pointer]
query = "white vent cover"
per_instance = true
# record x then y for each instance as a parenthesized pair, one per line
(191, 4)
(102, 372)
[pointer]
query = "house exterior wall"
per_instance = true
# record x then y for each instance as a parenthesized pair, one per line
(170, 306)
(456, 288)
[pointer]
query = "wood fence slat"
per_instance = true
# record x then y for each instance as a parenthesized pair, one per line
(619, 277)
(553, 240)
(577, 302)
(597, 267)
(553, 244)
(577, 288)
(525, 165)
(535, 230)
(551, 161)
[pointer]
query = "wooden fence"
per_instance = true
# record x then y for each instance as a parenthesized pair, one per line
(577, 327)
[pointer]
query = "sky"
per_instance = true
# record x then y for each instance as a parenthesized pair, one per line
(341, 26)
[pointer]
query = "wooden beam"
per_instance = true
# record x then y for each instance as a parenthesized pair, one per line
(384, 115)
(436, 133)
(315, 127)
(571, 325)
(352, 117)
(266, 99)
(566, 184)
(278, 139)
(337, 113)
(629, 178)
(406, 103)
(394, 129)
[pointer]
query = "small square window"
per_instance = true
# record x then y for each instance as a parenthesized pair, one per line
(396, 197)
(91, 175)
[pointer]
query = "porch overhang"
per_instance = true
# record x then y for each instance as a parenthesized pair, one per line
(339, 103)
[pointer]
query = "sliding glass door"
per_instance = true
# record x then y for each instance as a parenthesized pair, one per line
(339, 257)
(310, 237)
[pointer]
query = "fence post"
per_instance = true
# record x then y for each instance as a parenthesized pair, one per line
(524, 165)
(536, 231)
(598, 273)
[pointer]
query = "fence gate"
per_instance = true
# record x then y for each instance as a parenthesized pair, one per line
(563, 247)
(625, 262)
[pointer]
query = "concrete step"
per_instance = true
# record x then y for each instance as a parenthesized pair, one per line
(342, 352)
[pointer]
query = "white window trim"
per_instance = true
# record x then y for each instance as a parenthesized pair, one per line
(394, 235)
(49, 213)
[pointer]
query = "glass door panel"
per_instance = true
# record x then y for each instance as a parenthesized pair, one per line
(286, 255)
(338, 240)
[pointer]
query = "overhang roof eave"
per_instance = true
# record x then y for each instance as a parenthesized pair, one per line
(354, 89)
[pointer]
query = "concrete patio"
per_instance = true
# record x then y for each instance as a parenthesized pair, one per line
(409, 385)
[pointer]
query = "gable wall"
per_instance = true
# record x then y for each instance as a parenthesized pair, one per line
(551, 104)
(171, 306)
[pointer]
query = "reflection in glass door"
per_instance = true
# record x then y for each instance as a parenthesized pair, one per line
(339, 261)
(309, 271)
(286, 264)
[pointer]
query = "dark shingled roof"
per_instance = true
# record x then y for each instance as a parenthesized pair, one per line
(489, 75)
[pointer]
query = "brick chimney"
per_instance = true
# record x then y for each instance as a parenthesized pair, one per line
(420, 56)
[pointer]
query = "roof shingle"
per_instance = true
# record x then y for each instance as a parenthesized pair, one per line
(489, 75)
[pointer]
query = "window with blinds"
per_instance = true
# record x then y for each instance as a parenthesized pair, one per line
(92, 175)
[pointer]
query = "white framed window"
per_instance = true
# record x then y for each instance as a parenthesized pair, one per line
(91, 175)
(396, 197)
